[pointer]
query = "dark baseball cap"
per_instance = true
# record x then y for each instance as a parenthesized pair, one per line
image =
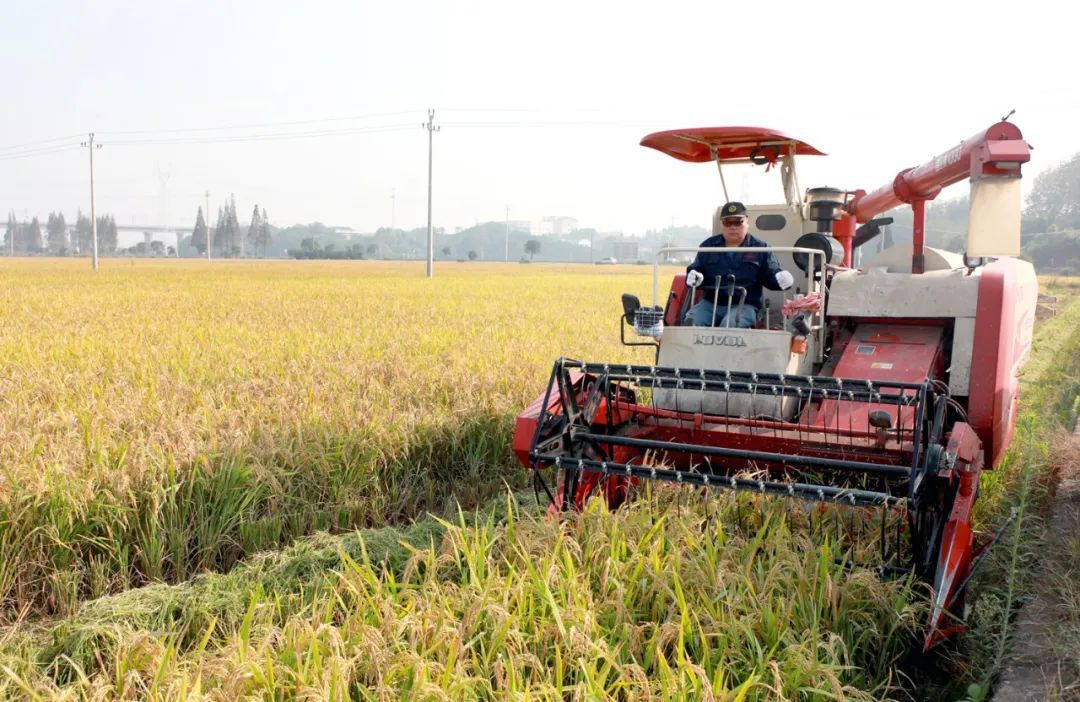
(733, 209)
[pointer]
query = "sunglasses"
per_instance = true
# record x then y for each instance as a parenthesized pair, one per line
(734, 222)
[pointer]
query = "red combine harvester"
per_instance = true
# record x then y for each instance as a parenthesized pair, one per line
(889, 384)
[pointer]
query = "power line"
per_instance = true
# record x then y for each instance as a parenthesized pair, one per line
(39, 152)
(49, 146)
(530, 109)
(264, 125)
(191, 135)
(279, 136)
(14, 147)
(551, 123)
(60, 148)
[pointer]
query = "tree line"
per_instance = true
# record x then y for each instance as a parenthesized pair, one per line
(1054, 202)
(226, 238)
(28, 238)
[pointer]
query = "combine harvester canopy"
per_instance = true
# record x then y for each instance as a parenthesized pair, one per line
(891, 385)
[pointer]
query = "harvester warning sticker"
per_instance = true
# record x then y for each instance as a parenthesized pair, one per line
(864, 350)
(882, 366)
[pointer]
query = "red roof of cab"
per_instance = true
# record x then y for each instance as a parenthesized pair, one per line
(732, 143)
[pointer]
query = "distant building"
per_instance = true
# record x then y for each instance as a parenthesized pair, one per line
(625, 250)
(557, 226)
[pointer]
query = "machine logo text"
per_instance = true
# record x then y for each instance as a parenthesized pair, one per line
(948, 158)
(713, 340)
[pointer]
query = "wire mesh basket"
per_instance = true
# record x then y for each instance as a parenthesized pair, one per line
(649, 321)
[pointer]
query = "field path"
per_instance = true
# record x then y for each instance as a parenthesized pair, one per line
(1040, 668)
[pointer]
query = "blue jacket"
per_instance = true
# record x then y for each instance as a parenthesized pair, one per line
(752, 270)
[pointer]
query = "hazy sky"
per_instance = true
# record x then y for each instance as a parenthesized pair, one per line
(542, 105)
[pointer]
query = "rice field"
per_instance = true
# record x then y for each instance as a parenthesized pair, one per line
(161, 420)
(172, 429)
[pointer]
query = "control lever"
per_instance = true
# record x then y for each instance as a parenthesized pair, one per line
(730, 296)
(739, 309)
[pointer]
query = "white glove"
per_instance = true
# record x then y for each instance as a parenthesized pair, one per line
(694, 278)
(784, 280)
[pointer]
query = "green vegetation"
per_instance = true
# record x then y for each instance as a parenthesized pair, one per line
(1055, 252)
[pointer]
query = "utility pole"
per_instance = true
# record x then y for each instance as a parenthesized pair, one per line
(506, 255)
(207, 219)
(89, 144)
(393, 207)
(431, 129)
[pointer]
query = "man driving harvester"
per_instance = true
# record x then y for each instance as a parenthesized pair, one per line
(738, 277)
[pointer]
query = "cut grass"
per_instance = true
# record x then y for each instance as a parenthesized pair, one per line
(667, 599)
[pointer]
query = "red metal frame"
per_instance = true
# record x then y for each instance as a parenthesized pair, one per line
(525, 426)
(844, 232)
(675, 299)
(907, 353)
(998, 349)
(958, 540)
